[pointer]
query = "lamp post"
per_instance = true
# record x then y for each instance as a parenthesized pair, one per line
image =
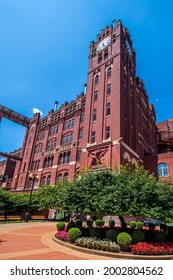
(33, 178)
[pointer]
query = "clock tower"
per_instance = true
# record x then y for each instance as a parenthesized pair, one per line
(113, 129)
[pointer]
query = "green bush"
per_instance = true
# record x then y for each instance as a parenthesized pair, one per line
(94, 243)
(152, 226)
(99, 223)
(73, 234)
(90, 223)
(112, 234)
(60, 226)
(78, 222)
(71, 225)
(138, 236)
(139, 225)
(124, 240)
(163, 227)
(111, 223)
(95, 232)
(132, 224)
(160, 236)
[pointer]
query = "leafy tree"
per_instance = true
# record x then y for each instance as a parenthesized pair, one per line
(118, 193)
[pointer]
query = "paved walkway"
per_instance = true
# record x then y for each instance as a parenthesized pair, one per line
(33, 241)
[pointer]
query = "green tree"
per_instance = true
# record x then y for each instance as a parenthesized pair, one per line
(118, 193)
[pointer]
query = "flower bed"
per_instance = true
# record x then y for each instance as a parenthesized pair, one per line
(144, 248)
(62, 235)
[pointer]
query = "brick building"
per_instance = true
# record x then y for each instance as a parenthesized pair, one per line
(7, 167)
(110, 124)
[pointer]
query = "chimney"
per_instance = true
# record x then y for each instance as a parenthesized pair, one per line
(55, 107)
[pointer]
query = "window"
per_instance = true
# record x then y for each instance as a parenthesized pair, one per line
(60, 159)
(82, 118)
(95, 95)
(81, 134)
(64, 158)
(93, 135)
(67, 139)
(68, 157)
(69, 124)
(72, 123)
(113, 38)
(107, 132)
(109, 72)
(108, 88)
(162, 170)
(108, 109)
(63, 140)
(48, 180)
(94, 115)
(100, 58)
(66, 176)
(105, 54)
(59, 178)
(79, 153)
(43, 181)
(96, 79)
(94, 52)
(71, 137)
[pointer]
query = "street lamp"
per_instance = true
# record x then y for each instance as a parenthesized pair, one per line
(34, 178)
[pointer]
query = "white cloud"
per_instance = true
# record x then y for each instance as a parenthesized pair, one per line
(35, 111)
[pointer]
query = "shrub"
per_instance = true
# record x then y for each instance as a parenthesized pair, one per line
(139, 225)
(160, 236)
(163, 227)
(112, 234)
(73, 234)
(90, 223)
(99, 223)
(124, 240)
(138, 236)
(144, 248)
(151, 226)
(62, 235)
(71, 225)
(94, 243)
(95, 232)
(111, 223)
(60, 226)
(78, 222)
(132, 224)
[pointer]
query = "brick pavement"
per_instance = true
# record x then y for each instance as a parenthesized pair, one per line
(33, 241)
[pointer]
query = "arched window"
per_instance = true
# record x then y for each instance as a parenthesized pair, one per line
(43, 181)
(60, 159)
(68, 157)
(66, 176)
(71, 137)
(45, 163)
(59, 178)
(48, 180)
(162, 170)
(109, 72)
(64, 158)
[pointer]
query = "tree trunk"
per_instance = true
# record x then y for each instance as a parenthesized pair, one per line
(123, 223)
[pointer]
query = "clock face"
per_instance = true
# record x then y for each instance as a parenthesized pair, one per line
(103, 44)
(128, 48)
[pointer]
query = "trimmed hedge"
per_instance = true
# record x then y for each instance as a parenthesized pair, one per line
(124, 240)
(112, 234)
(73, 234)
(60, 226)
(138, 236)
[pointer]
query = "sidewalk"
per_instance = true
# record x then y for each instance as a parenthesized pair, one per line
(33, 241)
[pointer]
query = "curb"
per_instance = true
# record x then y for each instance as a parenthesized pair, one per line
(109, 254)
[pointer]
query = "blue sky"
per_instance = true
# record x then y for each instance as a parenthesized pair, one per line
(44, 53)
